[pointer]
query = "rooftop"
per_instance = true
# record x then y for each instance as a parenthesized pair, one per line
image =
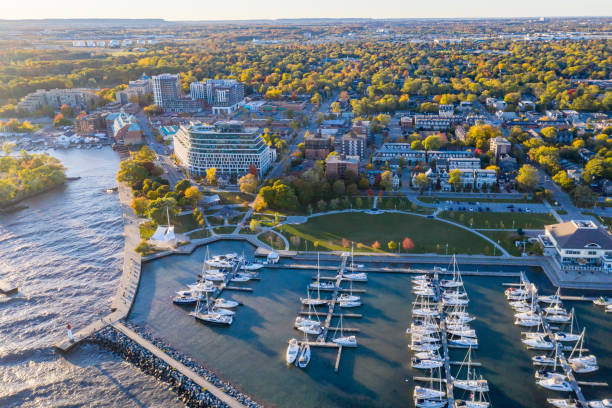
(580, 234)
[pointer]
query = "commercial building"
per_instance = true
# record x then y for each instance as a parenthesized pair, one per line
(228, 146)
(579, 245)
(135, 90)
(223, 95)
(317, 146)
(341, 166)
(124, 128)
(55, 98)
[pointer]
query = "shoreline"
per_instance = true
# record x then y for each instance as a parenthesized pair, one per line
(7, 207)
(190, 393)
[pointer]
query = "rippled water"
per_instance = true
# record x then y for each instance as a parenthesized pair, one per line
(65, 253)
(250, 353)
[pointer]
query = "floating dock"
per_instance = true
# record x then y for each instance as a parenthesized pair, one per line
(444, 338)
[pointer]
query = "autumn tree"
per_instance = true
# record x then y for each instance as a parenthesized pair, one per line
(528, 177)
(194, 195)
(211, 176)
(248, 183)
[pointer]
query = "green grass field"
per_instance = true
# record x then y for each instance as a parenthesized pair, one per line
(499, 220)
(330, 232)
(224, 230)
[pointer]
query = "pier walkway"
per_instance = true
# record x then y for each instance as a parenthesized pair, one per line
(444, 338)
(180, 367)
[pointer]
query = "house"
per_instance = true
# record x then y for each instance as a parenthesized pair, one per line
(469, 163)
(579, 245)
(446, 111)
(506, 116)
(341, 166)
(526, 105)
(460, 133)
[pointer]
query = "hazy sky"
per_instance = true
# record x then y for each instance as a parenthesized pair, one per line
(264, 9)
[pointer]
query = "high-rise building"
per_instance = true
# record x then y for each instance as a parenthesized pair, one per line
(166, 89)
(228, 146)
(223, 95)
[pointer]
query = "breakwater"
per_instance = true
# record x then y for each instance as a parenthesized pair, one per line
(192, 394)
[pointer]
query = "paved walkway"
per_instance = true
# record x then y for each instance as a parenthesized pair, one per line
(180, 367)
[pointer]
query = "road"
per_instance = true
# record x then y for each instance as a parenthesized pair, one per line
(311, 127)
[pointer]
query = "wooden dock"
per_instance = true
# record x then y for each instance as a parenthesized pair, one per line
(321, 314)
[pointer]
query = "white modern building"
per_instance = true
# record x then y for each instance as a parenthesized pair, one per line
(579, 245)
(228, 146)
(223, 95)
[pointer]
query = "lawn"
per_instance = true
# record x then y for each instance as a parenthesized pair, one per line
(215, 220)
(184, 223)
(200, 234)
(228, 197)
(224, 230)
(487, 220)
(507, 238)
(330, 232)
(272, 239)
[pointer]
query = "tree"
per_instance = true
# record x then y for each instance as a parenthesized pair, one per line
(181, 186)
(160, 208)
(248, 183)
(583, 196)
(194, 195)
(131, 172)
(392, 245)
(339, 187)
(60, 121)
(549, 133)
(407, 244)
(376, 245)
(528, 177)
(421, 181)
(211, 176)
(259, 204)
(454, 179)
(563, 180)
(386, 180)
(140, 205)
(67, 111)
(254, 225)
(594, 168)
(335, 107)
(153, 110)
(432, 142)
(7, 148)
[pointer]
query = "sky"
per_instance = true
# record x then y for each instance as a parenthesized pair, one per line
(273, 9)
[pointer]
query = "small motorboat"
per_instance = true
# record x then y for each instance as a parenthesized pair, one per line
(213, 318)
(304, 356)
(292, 351)
(186, 297)
(345, 297)
(241, 277)
(346, 341)
(543, 360)
(356, 277)
(225, 303)
(449, 283)
(251, 266)
(562, 403)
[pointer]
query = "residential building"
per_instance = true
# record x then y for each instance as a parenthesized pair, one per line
(464, 163)
(124, 128)
(446, 111)
(579, 245)
(353, 145)
(484, 178)
(55, 98)
(166, 90)
(317, 146)
(227, 146)
(460, 133)
(341, 166)
(435, 122)
(135, 90)
(499, 146)
(89, 124)
(391, 151)
(223, 95)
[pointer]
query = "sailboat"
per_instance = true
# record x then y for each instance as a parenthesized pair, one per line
(349, 297)
(551, 299)
(342, 340)
(211, 316)
(430, 397)
(292, 351)
(562, 403)
(602, 301)
(355, 276)
(226, 303)
(471, 383)
(582, 364)
(456, 280)
(481, 402)
(568, 336)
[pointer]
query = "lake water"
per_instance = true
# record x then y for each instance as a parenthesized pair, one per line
(250, 353)
(65, 254)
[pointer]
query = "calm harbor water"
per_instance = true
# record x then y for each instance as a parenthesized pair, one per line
(65, 253)
(250, 353)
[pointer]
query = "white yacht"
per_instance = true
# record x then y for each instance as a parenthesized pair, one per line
(463, 341)
(528, 322)
(430, 403)
(470, 383)
(251, 266)
(582, 363)
(349, 303)
(308, 301)
(426, 364)
(304, 321)
(429, 355)
(605, 403)
(543, 360)
(240, 277)
(417, 346)
(551, 299)
(214, 318)
(203, 287)
(292, 351)
(427, 393)
(322, 285)
(424, 312)
(602, 301)
(187, 297)
(356, 276)
(555, 384)
(223, 312)
(538, 343)
(310, 329)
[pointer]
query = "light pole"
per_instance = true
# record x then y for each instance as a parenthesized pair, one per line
(447, 249)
